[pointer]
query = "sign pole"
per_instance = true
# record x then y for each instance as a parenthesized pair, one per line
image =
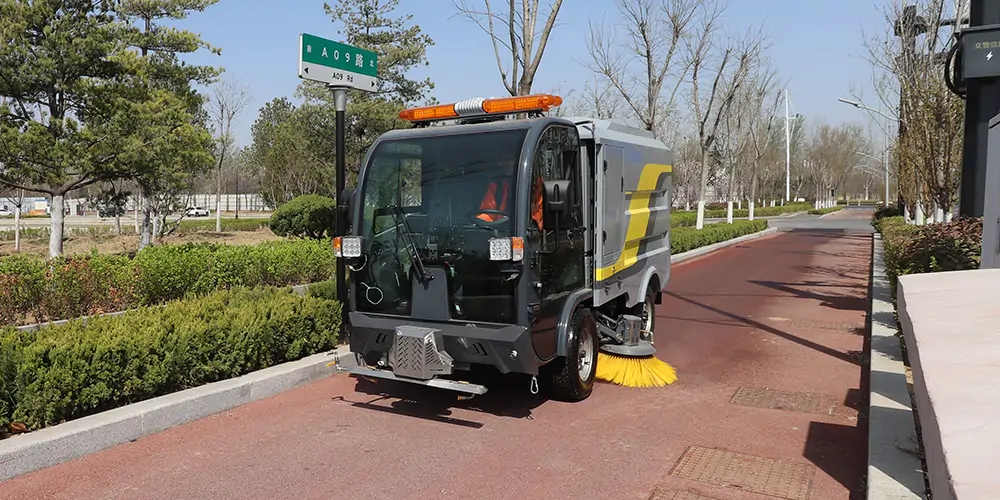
(340, 105)
(340, 67)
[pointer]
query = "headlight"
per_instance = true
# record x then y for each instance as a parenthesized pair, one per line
(347, 246)
(506, 249)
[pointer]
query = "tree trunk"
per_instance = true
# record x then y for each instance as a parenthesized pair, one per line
(17, 228)
(56, 234)
(753, 191)
(144, 233)
(218, 201)
(156, 226)
(702, 189)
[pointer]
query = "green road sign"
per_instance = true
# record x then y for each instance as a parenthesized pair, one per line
(337, 64)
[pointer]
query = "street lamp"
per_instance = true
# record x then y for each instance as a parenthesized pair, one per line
(788, 151)
(885, 141)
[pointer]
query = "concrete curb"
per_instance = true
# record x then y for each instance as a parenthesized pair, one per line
(698, 252)
(50, 446)
(894, 467)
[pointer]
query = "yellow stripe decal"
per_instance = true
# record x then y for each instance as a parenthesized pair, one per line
(638, 220)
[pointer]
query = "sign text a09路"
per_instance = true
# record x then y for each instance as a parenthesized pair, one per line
(336, 63)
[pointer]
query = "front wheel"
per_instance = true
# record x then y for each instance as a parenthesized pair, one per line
(571, 378)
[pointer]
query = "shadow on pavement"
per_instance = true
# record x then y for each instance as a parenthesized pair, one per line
(840, 302)
(508, 396)
(770, 329)
(839, 450)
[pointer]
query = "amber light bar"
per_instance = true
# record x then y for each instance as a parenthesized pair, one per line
(480, 106)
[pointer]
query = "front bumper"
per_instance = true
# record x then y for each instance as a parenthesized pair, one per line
(373, 338)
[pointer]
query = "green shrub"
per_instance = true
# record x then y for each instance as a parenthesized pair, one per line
(306, 216)
(324, 290)
(228, 225)
(683, 239)
(78, 369)
(824, 211)
(888, 211)
(69, 287)
(911, 249)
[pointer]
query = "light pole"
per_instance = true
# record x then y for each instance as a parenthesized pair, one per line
(788, 150)
(885, 141)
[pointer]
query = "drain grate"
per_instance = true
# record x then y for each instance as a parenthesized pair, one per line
(803, 402)
(761, 475)
(661, 493)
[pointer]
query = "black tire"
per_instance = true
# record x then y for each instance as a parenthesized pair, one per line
(650, 304)
(564, 379)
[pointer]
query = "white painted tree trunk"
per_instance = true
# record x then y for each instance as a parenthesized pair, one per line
(56, 233)
(17, 228)
(700, 221)
(751, 210)
(729, 212)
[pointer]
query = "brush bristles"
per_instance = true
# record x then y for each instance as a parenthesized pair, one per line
(634, 372)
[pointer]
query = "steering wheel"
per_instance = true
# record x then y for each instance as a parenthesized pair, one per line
(503, 217)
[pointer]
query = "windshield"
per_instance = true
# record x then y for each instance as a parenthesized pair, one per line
(441, 186)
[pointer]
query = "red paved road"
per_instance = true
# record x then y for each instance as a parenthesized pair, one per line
(772, 313)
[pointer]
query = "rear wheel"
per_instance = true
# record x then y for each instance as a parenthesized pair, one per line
(571, 378)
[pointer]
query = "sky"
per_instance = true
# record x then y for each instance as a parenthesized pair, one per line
(817, 46)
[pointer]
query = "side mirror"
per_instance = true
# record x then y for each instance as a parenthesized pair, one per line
(557, 203)
(344, 214)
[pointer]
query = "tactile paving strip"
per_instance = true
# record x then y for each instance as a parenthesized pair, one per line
(665, 494)
(804, 402)
(766, 476)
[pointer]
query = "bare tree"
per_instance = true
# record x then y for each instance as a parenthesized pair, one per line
(908, 80)
(764, 98)
(229, 99)
(731, 63)
(516, 30)
(655, 30)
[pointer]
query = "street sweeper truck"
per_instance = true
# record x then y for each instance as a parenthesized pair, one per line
(489, 235)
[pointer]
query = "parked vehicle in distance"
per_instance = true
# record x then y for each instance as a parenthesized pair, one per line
(108, 210)
(197, 212)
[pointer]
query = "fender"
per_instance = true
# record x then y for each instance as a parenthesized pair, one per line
(562, 329)
(646, 280)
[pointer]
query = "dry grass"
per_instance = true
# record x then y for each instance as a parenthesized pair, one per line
(109, 244)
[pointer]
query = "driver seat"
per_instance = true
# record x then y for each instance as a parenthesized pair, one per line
(490, 200)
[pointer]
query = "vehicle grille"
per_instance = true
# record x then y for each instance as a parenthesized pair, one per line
(419, 353)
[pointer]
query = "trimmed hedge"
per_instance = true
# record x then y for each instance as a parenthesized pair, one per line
(81, 368)
(683, 239)
(681, 218)
(41, 289)
(947, 246)
(824, 211)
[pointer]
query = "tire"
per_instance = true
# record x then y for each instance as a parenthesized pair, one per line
(649, 305)
(565, 380)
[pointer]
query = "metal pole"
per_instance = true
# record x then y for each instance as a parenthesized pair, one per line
(340, 105)
(981, 104)
(885, 158)
(788, 154)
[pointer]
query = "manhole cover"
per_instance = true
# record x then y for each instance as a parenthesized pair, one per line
(766, 476)
(661, 493)
(803, 402)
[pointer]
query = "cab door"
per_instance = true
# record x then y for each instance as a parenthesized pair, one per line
(558, 262)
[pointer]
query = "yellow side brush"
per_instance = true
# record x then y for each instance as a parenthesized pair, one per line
(628, 371)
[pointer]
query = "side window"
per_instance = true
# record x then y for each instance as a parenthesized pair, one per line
(557, 158)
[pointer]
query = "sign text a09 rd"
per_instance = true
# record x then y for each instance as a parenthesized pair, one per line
(338, 64)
